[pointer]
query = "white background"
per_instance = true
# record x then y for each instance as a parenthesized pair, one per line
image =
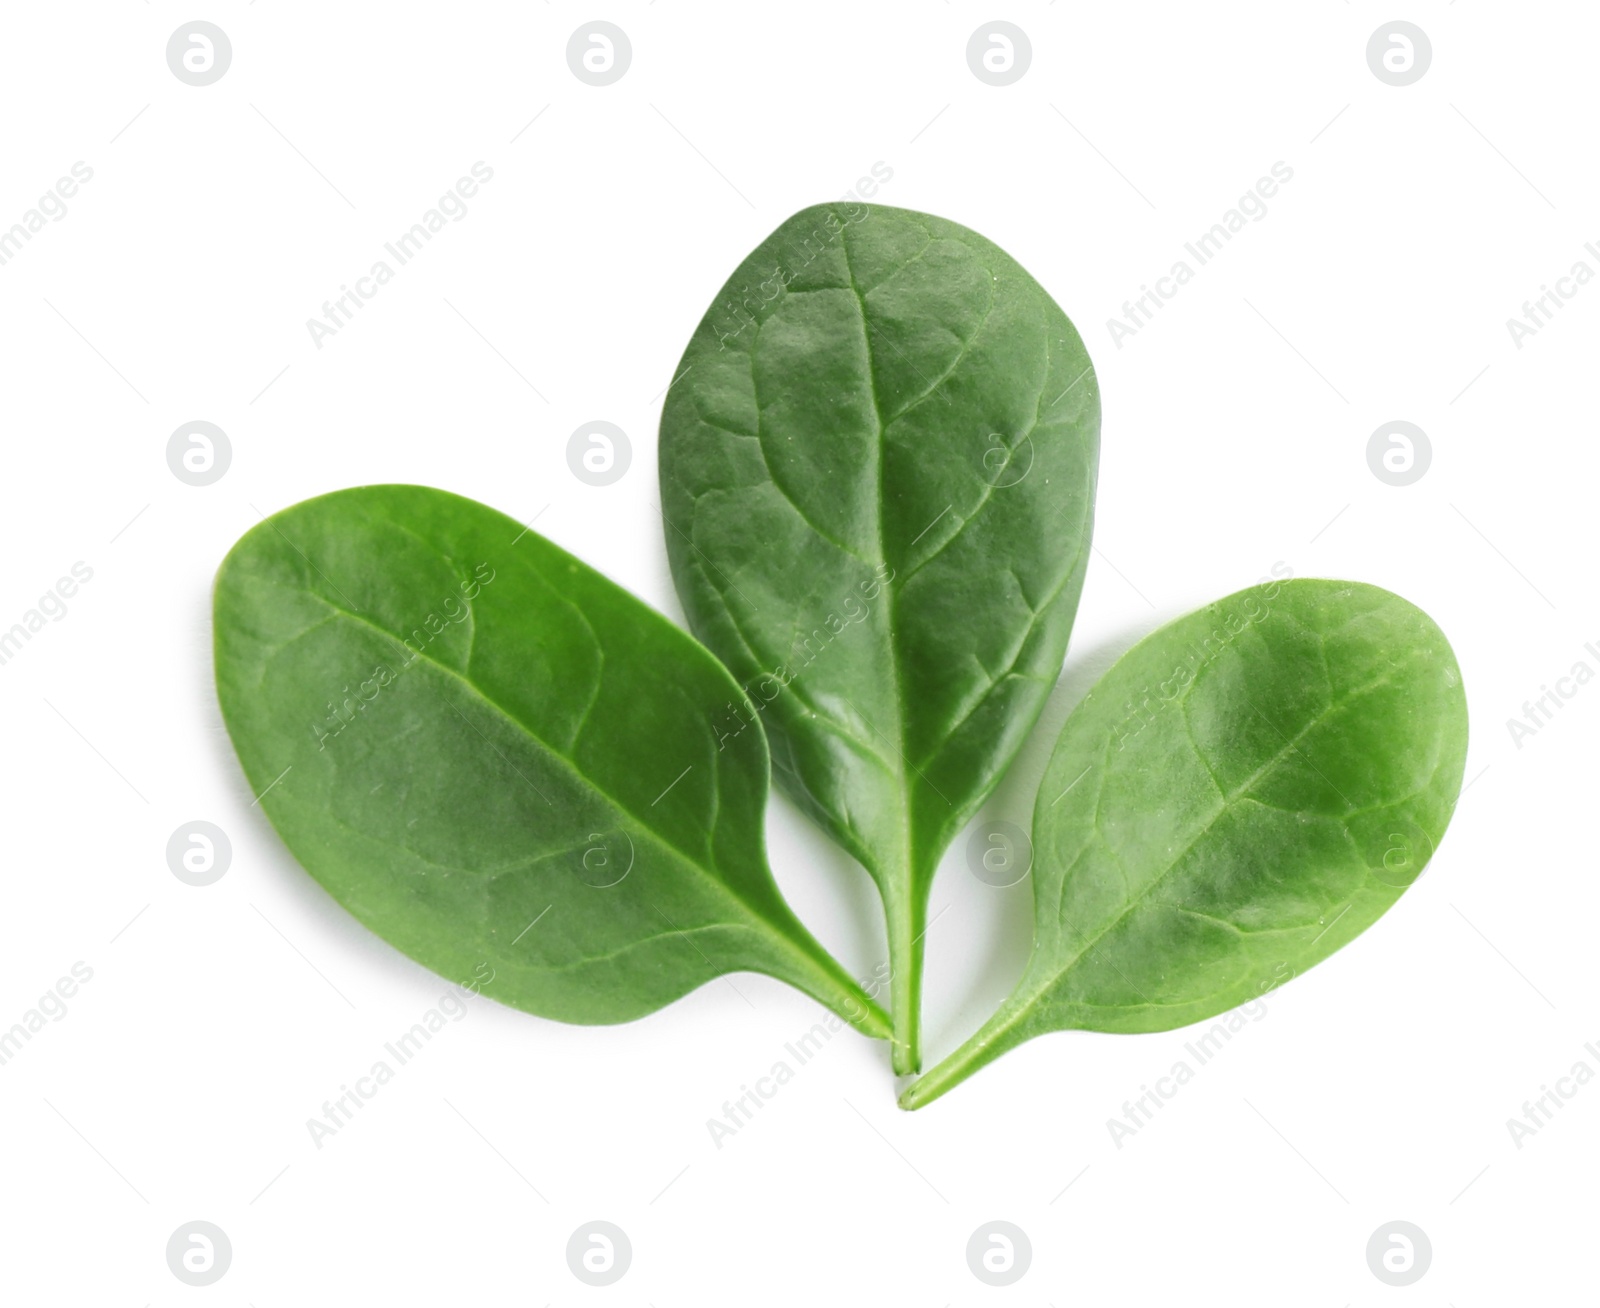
(177, 287)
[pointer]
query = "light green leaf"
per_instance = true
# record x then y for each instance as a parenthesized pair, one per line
(1243, 793)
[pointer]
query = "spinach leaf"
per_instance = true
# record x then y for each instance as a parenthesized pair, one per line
(491, 755)
(878, 462)
(1244, 792)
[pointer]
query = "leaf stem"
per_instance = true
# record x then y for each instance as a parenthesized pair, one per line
(820, 975)
(999, 1034)
(907, 921)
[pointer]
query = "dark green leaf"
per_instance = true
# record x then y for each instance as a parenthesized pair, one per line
(491, 755)
(1243, 793)
(877, 466)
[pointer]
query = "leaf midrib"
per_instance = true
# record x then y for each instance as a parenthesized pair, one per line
(946, 736)
(657, 837)
(898, 740)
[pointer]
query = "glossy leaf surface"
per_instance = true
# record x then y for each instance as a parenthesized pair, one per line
(878, 460)
(1243, 793)
(492, 755)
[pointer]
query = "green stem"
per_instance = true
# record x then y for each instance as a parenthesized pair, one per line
(907, 920)
(820, 975)
(851, 1002)
(1000, 1033)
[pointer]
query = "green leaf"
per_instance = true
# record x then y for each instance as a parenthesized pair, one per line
(878, 463)
(497, 759)
(1244, 792)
